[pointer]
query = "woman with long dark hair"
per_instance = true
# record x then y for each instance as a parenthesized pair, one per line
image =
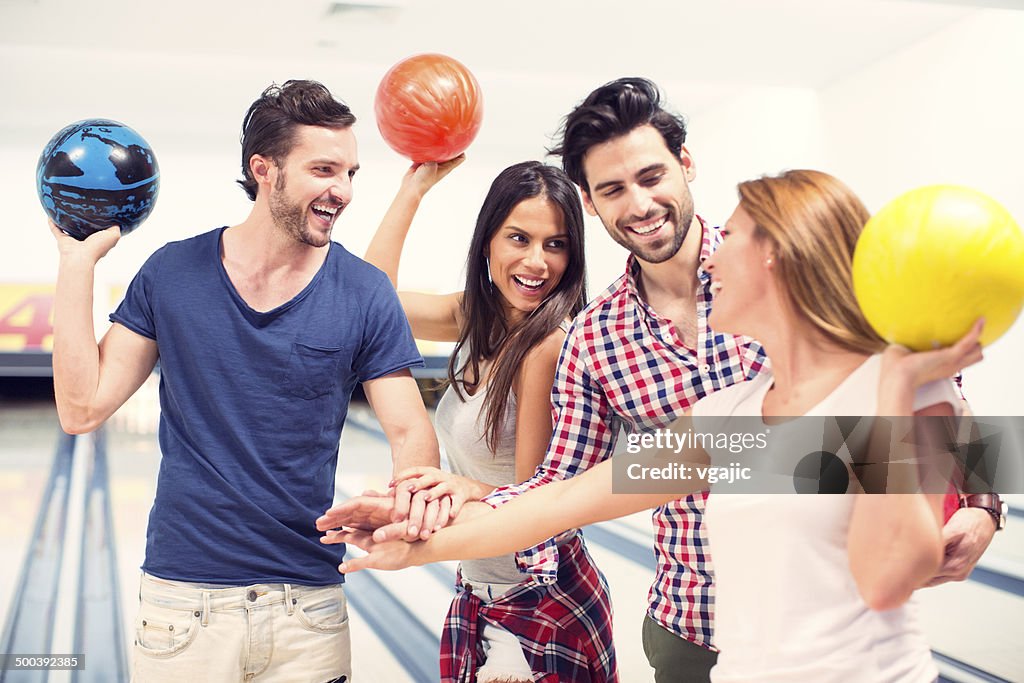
(525, 281)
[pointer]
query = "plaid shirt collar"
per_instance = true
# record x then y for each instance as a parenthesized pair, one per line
(710, 239)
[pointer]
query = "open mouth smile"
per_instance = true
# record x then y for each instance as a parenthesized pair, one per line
(649, 227)
(529, 285)
(325, 212)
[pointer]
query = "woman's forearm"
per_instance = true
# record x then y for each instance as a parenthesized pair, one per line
(534, 516)
(895, 546)
(385, 250)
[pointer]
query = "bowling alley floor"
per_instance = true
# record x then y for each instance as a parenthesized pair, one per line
(396, 616)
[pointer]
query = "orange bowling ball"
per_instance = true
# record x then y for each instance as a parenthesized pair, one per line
(429, 108)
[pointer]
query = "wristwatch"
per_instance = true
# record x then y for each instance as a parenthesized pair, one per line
(990, 503)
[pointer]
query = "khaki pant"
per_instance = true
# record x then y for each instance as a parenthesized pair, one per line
(266, 632)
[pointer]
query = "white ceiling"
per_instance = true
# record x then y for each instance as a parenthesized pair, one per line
(154, 61)
(787, 42)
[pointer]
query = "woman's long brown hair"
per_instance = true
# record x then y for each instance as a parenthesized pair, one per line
(486, 333)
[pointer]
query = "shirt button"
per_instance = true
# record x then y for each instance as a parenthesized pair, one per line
(706, 369)
(252, 596)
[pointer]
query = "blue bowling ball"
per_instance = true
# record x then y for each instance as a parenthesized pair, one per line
(97, 173)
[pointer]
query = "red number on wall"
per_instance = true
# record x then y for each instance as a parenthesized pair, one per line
(38, 327)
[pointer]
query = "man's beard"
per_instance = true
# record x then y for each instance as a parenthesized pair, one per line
(293, 217)
(681, 216)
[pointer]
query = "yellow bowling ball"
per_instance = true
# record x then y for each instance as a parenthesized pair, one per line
(933, 261)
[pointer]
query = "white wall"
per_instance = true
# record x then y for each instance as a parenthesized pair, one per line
(198, 151)
(759, 131)
(947, 109)
(943, 107)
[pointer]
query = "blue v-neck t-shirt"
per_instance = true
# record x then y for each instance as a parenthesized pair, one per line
(252, 406)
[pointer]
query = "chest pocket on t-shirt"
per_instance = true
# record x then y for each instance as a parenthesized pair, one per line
(312, 370)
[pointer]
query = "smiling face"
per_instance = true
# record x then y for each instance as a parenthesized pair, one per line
(641, 192)
(528, 255)
(742, 282)
(308, 191)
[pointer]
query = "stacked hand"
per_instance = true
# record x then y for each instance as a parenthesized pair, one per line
(397, 513)
(965, 536)
(380, 554)
(420, 501)
(401, 517)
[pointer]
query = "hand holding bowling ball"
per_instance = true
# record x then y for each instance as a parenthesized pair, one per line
(429, 108)
(95, 174)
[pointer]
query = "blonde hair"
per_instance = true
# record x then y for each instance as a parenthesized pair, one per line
(813, 221)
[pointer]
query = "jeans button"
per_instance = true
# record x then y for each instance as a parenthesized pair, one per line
(252, 596)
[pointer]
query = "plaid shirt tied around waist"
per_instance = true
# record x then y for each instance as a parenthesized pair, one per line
(564, 628)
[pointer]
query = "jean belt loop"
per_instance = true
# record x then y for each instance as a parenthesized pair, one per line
(288, 604)
(206, 608)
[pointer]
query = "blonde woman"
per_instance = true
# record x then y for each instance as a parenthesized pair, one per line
(808, 588)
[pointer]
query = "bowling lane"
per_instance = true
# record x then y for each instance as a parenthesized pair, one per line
(28, 440)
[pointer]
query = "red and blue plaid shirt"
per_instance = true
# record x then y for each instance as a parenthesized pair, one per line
(624, 365)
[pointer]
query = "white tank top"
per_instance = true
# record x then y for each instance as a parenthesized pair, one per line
(787, 608)
(460, 429)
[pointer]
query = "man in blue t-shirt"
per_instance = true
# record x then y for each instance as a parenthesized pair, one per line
(263, 330)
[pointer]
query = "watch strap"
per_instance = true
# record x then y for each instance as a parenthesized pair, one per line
(989, 502)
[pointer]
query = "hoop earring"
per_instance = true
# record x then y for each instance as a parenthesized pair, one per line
(487, 262)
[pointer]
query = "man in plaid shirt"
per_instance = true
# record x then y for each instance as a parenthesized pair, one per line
(641, 353)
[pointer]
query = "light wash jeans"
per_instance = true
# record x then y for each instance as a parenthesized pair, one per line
(195, 632)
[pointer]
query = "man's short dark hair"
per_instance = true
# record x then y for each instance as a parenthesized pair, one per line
(611, 111)
(270, 124)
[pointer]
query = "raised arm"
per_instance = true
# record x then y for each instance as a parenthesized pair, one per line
(432, 316)
(91, 380)
(895, 540)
